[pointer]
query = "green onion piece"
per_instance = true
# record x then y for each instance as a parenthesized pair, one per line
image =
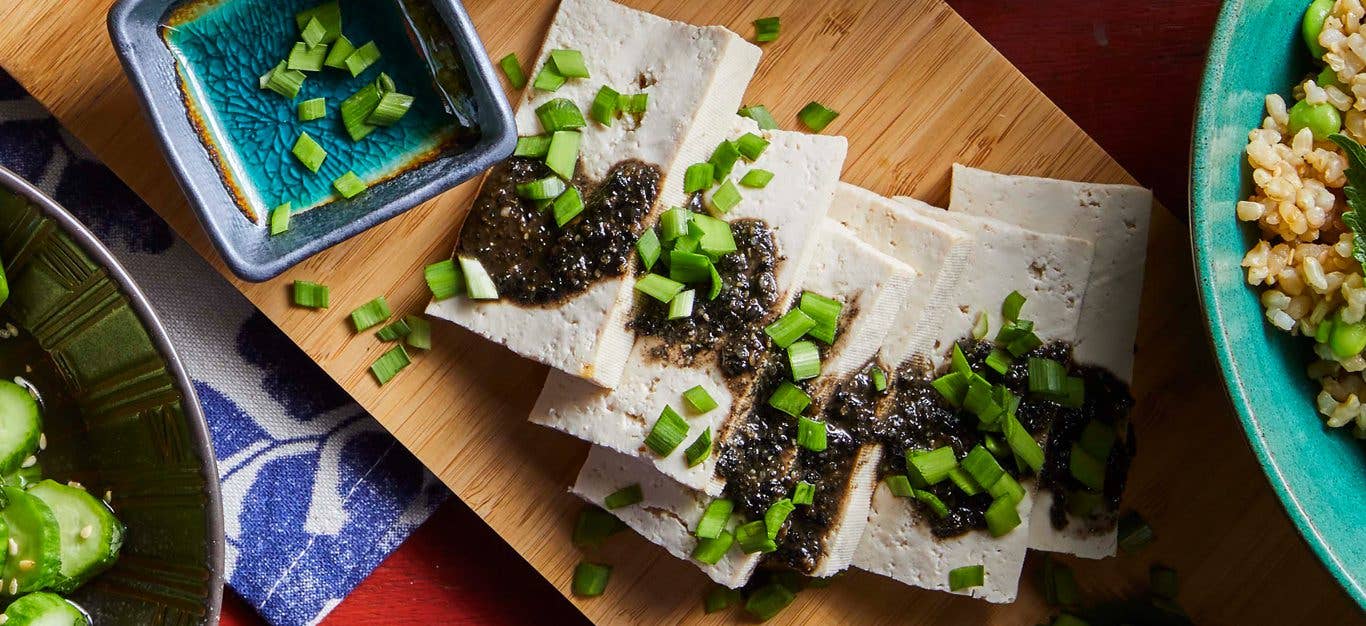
(698, 177)
(811, 434)
(590, 579)
(420, 332)
(719, 598)
(594, 526)
(279, 218)
(1010, 331)
(899, 485)
(723, 160)
(336, 55)
(981, 327)
(711, 551)
(879, 378)
(1010, 309)
(789, 328)
(759, 113)
(966, 577)
(569, 63)
(982, 466)
(444, 279)
(512, 68)
(547, 188)
(560, 114)
(1163, 581)
(805, 360)
(285, 81)
(362, 58)
(1002, 517)
(563, 153)
(1074, 394)
(306, 58)
(958, 362)
(385, 82)
(1134, 532)
(681, 306)
(314, 109)
(716, 283)
(1086, 469)
(648, 247)
(1046, 377)
(932, 501)
(753, 537)
(929, 468)
(826, 312)
(478, 283)
(349, 185)
(789, 399)
(1008, 488)
(370, 313)
(1022, 443)
(667, 433)
(567, 206)
(604, 107)
(803, 493)
(1062, 585)
(724, 198)
(715, 237)
(816, 116)
(310, 153)
(265, 78)
(756, 178)
(396, 330)
(1082, 503)
(766, 29)
(1024, 344)
(635, 104)
(659, 287)
(674, 223)
(751, 146)
(389, 364)
(964, 481)
(1097, 439)
(548, 79)
(714, 518)
(688, 267)
(767, 601)
(995, 447)
(310, 295)
(777, 514)
(391, 108)
(952, 386)
(699, 399)
(357, 108)
(329, 17)
(999, 361)
(626, 496)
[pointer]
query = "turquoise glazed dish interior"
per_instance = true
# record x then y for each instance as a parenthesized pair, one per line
(1317, 472)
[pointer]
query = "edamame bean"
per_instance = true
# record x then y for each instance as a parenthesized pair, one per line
(1313, 24)
(1321, 119)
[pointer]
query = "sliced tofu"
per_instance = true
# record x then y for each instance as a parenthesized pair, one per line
(871, 285)
(1051, 271)
(695, 77)
(1113, 218)
(806, 169)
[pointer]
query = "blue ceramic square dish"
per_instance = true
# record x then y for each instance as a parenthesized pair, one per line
(196, 65)
(1316, 471)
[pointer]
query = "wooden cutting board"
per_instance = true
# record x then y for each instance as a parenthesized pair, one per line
(918, 89)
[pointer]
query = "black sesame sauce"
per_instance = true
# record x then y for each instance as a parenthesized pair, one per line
(532, 261)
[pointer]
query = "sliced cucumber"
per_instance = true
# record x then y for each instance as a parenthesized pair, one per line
(44, 609)
(20, 425)
(34, 549)
(90, 534)
(23, 477)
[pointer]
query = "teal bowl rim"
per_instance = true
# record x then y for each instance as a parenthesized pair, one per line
(1202, 164)
(194, 413)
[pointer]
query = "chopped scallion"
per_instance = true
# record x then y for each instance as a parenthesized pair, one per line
(787, 329)
(563, 153)
(1002, 517)
(933, 503)
(681, 306)
(357, 108)
(349, 185)
(964, 481)
(590, 579)
(1046, 377)
(279, 218)
(1097, 438)
(811, 434)
(723, 159)
(594, 526)
(715, 238)
(420, 332)
(699, 399)
(759, 113)
(569, 63)
(688, 267)
(966, 577)
(714, 518)
(306, 58)
(930, 467)
(659, 287)
(724, 198)
(285, 81)
(389, 364)
(667, 433)
(1022, 444)
(766, 29)
(1008, 488)
(981, 327)
(803, 493)
(1134, 533)
(478, 283)
(567, 206)
(776, 515)
(310, 154)
(547, 188)
(635, 104)
(336, 55)
(512, 68)
(362, 58)
(1010, 309)
(717, 284)
(982, 466)
(767, 601)
(1024, 343)
(1086, 469)
(560, 114)
(711, 551)
(719, 598)
(648, 247)
(674, 223)
(391, 108)
(444, 279)
(1163, 581)
(626, 496)
(698, 177)
(756, 178)
(751, 146)
(899, 485)
(999, 361)
(753, 537)
(826, 312)
(879, 378)
(310, 294)
(329, 17)
(396, 330)
(548, 79)
(952, 386)
(805, 360)
(789, 399)
(604, 107)
(314, 109)
(816, 116)
(370, 314)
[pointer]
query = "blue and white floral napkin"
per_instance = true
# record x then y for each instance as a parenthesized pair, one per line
(281, 428)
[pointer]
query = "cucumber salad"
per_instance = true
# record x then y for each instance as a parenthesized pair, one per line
(56, 536)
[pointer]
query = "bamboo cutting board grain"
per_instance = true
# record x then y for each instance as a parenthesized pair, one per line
(917, 89)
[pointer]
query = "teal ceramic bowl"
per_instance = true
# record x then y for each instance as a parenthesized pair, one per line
(1316, 471)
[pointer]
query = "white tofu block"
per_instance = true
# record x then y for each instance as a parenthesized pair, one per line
(1113, 218)
(806, 169)
(695, 77)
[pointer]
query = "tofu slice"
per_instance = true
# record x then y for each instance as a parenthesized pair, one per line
(872, 285)
(806, 169)
(1051, 271)
(695, 77)
(1113, 218)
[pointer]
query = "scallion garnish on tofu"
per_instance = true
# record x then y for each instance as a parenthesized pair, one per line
(667, 433)
(789, 399)
(965, 577)
(626, 496)
(444, 279)
(714, 519)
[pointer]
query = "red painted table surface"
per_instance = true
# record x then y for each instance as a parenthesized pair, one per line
(1126, 73)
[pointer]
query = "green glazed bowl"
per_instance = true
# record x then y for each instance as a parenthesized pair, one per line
(136, 429)
(1319, 473)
